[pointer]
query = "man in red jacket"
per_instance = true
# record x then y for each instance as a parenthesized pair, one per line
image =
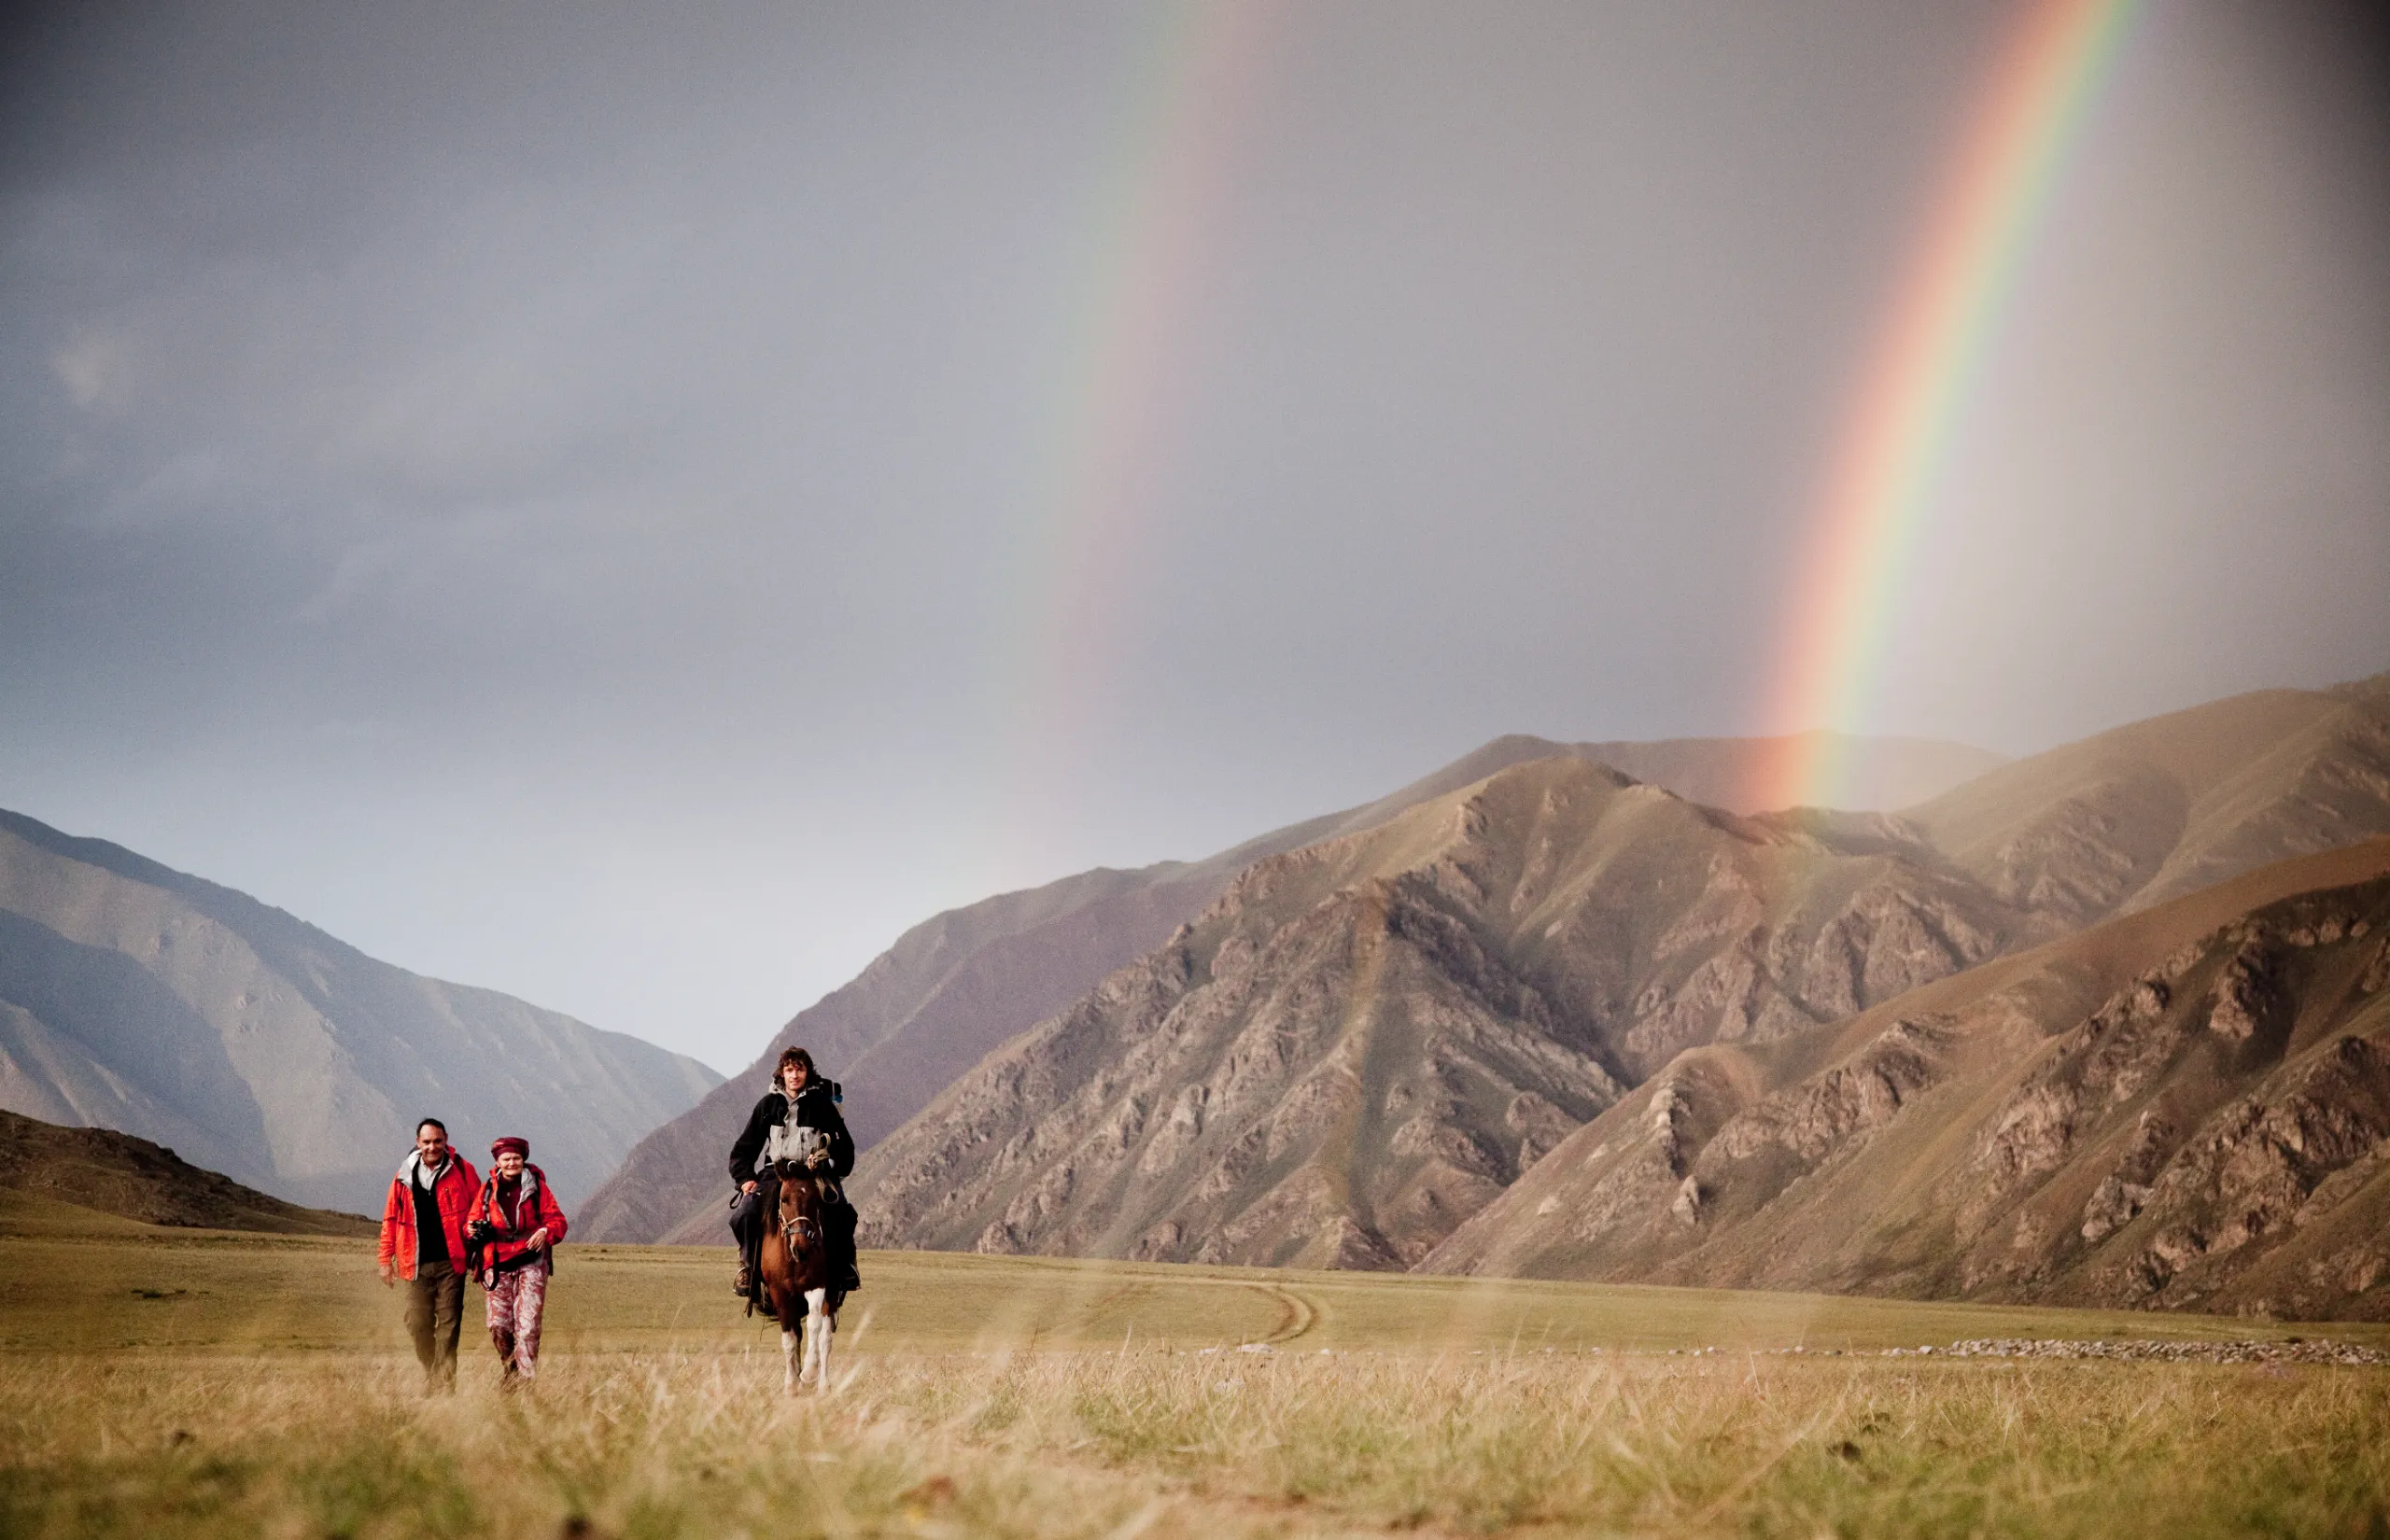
(515, 1223)
(422, 1245)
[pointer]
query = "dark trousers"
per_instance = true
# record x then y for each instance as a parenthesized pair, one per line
(435, 1311)
(747, 1214)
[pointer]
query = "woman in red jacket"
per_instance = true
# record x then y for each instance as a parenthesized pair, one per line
(515, 1221)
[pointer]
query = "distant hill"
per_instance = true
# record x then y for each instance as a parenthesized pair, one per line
(2187, 1107)
(2162, 808)
(137, 998)
(114, 1173)
(1879, 774)
(1365, 1039)
(958, 986)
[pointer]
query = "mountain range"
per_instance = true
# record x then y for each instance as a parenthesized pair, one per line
(960, 985)
(1359, 1047)
(137, 998)
(2105, 1024)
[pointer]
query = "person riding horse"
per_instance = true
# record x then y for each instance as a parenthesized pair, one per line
(798, 1123)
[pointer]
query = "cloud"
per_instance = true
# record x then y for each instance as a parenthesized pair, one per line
(92, 370)
(675, 402)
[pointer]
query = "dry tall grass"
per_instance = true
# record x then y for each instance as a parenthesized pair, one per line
(1089, 1444)
(200, 1384)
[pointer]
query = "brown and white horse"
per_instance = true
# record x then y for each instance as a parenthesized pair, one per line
(796, 1273)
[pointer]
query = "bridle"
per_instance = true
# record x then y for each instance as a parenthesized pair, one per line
(803, 1228)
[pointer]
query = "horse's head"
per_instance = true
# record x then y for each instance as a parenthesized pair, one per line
(800, 1208)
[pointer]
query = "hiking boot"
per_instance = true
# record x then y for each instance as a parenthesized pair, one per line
(746, 1283)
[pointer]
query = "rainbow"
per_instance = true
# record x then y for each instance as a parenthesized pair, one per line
(1885, 470)
(1136, 295)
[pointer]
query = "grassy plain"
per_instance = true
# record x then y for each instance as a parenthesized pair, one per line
(191, 1383)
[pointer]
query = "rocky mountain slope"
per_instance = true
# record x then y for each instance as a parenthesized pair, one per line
(2185, 1107)
(137, 998)
(1364, 1041)
(116, 1173)
(956, 986)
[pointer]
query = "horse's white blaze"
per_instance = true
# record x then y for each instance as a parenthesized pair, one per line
(817, 1338)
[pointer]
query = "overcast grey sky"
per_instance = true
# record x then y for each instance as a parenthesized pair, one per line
(589, 501)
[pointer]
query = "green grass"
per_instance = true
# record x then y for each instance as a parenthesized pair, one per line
(157, 1382)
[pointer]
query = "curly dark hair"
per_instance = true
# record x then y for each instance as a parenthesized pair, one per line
(796, 1055)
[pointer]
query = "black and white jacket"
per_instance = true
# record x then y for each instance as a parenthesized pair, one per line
(816, 1108)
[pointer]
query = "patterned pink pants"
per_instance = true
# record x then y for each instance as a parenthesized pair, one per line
(515, 1302)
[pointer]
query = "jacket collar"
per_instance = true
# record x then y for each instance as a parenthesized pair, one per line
(530, 1181)
(414, 1162)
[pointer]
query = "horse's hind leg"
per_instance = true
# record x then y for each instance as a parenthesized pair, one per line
(788, 1353)
(817, 1338)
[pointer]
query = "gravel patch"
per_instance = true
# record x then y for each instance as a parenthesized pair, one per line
(2158, 1352)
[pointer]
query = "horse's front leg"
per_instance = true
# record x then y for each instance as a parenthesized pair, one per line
(817, 1338)
(788, 1355)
